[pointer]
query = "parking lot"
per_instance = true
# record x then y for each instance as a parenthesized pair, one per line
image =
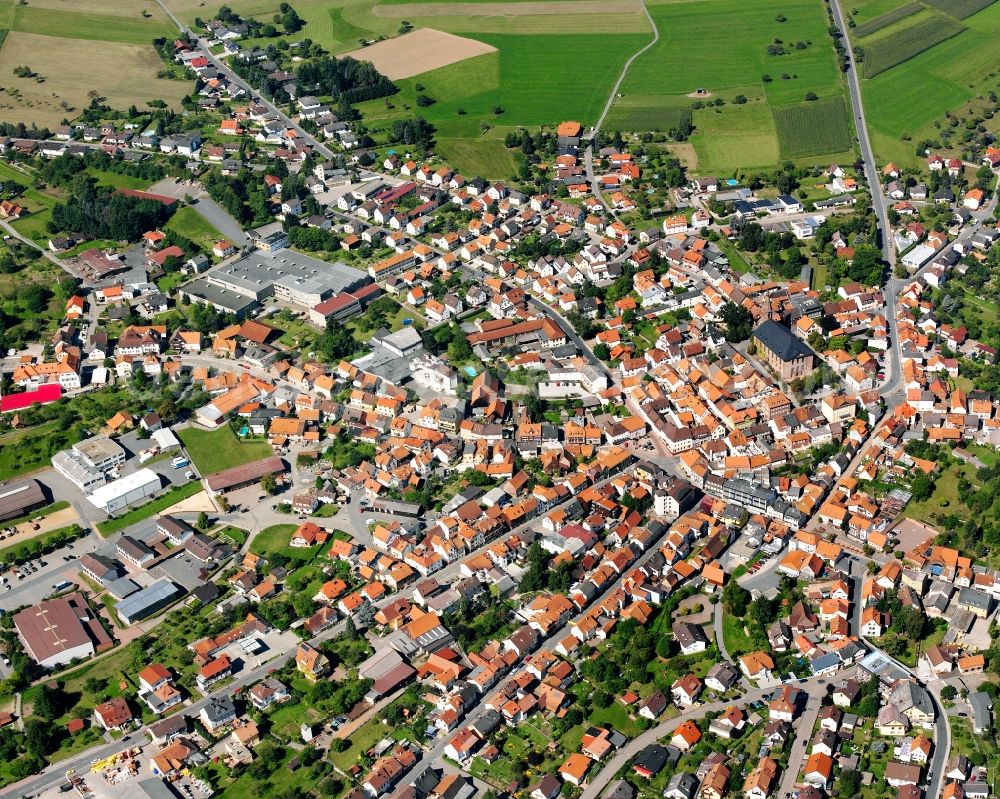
(42, 573)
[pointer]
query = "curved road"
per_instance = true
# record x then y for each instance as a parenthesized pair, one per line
(588, 155)
(625, 69)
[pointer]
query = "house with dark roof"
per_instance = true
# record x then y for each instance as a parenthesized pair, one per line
(785, 353)
(650, 761)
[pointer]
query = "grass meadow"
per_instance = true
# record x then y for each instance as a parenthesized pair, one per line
(656, 89)
(561, 63)
(189, 223)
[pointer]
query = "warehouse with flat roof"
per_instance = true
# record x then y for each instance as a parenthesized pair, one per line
(147, 601)
(128, 490)
(286, 275)
(221, 298)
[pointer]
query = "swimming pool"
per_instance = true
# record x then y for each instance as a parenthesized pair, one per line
(470, 371)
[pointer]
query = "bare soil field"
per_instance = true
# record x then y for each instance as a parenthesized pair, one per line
(123, 73)
(417, 52)
(512, 9)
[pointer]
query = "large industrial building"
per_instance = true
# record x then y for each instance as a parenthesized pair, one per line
(126, 491)
(220, 298)
(89, 463)
(17, 499)
(56, 631)
(290, 276)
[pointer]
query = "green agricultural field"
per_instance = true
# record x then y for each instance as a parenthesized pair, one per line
(213, 451)
(189, 223)
(862, 11)
(814, 128)
(901, 43)
(73, 24)
(960, 8)
(660, 81)
(904, 102)
(536, 80)
(885, 20)
(647, 112)
(675, 67)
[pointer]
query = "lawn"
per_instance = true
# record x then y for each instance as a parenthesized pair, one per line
(275, 539)
(945, 497)
(617, 715)
(189, 223)
(736, 640)
(161, 503)
(812, 128)
(362, 739)
(215, 450)
(235, 535)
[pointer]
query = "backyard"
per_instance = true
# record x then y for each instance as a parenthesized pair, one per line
(274, 539)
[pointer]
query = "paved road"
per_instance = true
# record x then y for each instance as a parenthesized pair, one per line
(942, 743)
(800, 743)
(625, 68)
(9, 228)
(720, 639)
(765, 578)
(890, 388)
(861, 126)
(553, 314)
(581, 345)
(55, 774)
(208, 208)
